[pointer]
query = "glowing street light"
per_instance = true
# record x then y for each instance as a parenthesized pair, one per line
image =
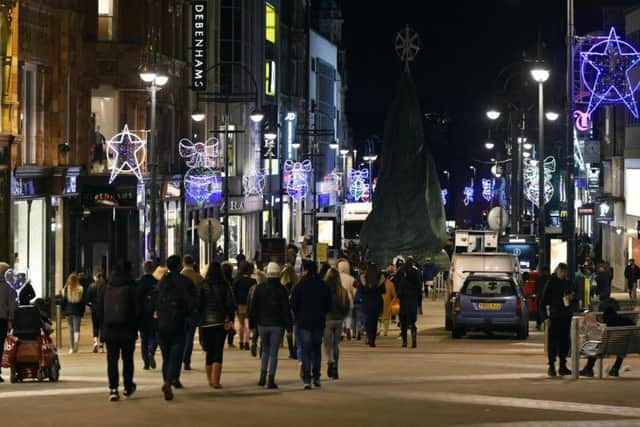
(489, 145)
(552, 116)
(493, 114)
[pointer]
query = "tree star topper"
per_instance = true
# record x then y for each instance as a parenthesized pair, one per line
(407, 45)
(129, 153)
(606, 70)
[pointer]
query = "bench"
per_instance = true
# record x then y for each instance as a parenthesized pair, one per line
(619, 340)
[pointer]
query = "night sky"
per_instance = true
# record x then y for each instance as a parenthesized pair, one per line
(464, 45)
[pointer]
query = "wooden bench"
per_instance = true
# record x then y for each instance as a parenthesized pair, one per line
(619, 340)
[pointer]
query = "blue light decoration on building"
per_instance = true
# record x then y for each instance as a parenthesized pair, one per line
(202, 182)
(606, 70)
(359, 185)
(444, 193)
(488, 189)
(296, 179)
(468, 194)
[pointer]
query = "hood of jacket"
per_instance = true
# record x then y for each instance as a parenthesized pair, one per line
(344, 267)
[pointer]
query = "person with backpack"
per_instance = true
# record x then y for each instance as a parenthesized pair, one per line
(174, 305)
(91, 300)
(147, 289)
(339, 309)
(189, 271)
(271, 313)
(119, 311)
(216, 314)
(372, 291)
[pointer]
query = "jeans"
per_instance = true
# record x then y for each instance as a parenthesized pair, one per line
(298, 343)
(148, 346)
(311, 341)
(4, 326)
(95, 322)
(116, 349)
(332, 333)
(559, 339)
(188, 344)
(271, 337)
(172, 348)
(74, 327)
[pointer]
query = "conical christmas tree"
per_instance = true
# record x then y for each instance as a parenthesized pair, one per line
(408, 216)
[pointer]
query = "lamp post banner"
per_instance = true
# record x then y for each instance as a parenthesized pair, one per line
(199, 45)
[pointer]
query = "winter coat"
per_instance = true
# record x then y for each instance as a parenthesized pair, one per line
(73, 305)
(632, 274)
(372, 299)
(7, 301)
(348, 281)
(270, 305)
(409, 290)
(26, 294)
(603, 284)
(553, 295)
(129, 330)
(341, 304)
(241, 288)
(91, 295)
(195, 277)
(429, 272)
(175, 291)
(310, 301)
(146, 294)
(389, 295)
(216, 304)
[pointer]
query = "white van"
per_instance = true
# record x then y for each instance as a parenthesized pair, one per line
(465, 263)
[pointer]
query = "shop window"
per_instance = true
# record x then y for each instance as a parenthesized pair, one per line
(104, 102)
(271, 19)
(270, 78)
(105, 20)
(29, 242)
(28, 114)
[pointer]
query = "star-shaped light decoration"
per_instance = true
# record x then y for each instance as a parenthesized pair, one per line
(128, 153)
(606, 72)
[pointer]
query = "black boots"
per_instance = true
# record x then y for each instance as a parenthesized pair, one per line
(552, 370)
(292, 348)
(332, 370)
(263, 378)
(271, 382)
(335, 370)
(563, 368)
(403, 334)
(414, 332)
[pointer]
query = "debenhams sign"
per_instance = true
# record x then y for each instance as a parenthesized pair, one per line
(199, 44)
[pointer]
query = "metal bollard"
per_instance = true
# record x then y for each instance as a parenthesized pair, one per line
(58, 326)
(575, 347)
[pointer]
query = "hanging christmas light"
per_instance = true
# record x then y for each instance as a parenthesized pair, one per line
(297, 179)
(488, 188)
(468, 194)
(127, 152)
(531, 183)
(359, 185)
(202, 181)
(444, 193)
(253, 184)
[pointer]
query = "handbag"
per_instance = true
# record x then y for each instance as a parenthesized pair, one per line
(395, 307)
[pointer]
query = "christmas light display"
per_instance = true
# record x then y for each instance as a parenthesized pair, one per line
(297, 179)
(253, 184)
(488, 187)
(444, 193)
(202, 181)
(127, 153)
(531, 186)
(359, 185)
(468, 195)
(607, 70)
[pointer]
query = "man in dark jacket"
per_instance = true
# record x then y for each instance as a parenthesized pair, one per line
(603, 282)
(611, 317)
(147, 289)
(310, 302)
(117, 304)
(410, 293)
(632, 274)
(174, 305)
(558, 300)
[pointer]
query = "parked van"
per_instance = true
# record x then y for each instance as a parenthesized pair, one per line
(464, 263)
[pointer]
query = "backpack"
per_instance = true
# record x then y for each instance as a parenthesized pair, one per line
(117, 305)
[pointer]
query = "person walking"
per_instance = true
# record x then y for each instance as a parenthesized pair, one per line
(227, 270)
(24, 290)
(91, 300)
(147, 293)
(174, 305)
(409, 293)
(387, 300)
(603, 282)
(338, 310)
(349, 283)
(119, 312)
(216, 314)
(8, 307)
(73, 309)
(271, 313)
(289, 279)
(429, 273)
(311, 301)
(558, 299)
(241, 285)
(371, 291)
(632, 274)
(189, 271)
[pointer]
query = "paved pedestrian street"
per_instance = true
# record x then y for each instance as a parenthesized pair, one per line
(479, 380)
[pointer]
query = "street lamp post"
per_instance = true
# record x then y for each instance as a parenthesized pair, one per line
(540, 75)
(155, 79)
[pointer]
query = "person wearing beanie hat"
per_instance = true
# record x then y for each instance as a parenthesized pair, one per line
(269, 310)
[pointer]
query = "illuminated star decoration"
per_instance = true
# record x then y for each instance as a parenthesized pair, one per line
(202, 181)
(531, 179)
(297, 179)
(128, 153)
(359, 185)
(488, 187)
(468, 195)
(605, 71)
(444, 193)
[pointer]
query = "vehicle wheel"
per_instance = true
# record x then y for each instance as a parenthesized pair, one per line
(54, 371)
(14, 375)
(457, 332)
(523, 332)
(447, 324)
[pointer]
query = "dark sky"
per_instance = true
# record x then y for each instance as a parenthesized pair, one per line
(465, 44)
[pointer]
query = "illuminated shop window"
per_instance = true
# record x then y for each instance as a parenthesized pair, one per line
(105, 19)
(271, 18)
(270, 78)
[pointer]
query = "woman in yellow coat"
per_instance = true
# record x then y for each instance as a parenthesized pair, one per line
(388, 300)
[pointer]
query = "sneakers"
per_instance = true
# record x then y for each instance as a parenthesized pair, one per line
(552, 371)
(586, 372)
(114, 396)
(129, 392)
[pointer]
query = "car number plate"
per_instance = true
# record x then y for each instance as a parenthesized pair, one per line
(489, 306)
